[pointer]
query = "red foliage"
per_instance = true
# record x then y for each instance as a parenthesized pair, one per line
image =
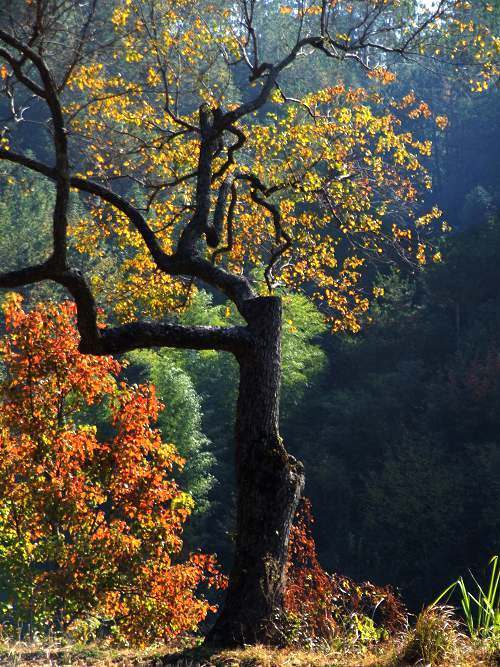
(89, 525)
(328, 602)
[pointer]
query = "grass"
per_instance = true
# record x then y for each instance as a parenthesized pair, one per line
(436, 638)
(466, 653)
(481, 605)
(51, 652)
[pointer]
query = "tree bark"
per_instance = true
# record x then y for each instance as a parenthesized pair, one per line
(269, 483)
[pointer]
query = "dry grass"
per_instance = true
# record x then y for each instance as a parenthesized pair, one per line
(436, 638)
(52, 654)
(261, 656)
(390, 655)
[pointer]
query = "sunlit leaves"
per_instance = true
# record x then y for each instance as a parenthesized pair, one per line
(345, 176)
(89, 524)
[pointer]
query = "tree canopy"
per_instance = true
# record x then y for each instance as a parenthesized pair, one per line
(152, 117)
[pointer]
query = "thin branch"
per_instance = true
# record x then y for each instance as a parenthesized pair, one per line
(50, 95)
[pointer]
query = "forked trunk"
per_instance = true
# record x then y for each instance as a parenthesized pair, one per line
(269, 483)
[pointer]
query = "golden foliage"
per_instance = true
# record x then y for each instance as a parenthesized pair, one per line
(345, 176)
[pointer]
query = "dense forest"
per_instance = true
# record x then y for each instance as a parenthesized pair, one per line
(391, 402)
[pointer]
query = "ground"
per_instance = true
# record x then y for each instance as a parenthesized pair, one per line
(52, 653)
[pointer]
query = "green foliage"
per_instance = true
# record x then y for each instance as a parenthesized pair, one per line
(303, 358)
(478, 206)
(398, 427)
(200, 388)
(26, 202)
(180, 423)
(481, 608)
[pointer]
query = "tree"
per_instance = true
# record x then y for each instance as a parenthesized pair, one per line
(25, 196)
(197, 181)
(88, 525)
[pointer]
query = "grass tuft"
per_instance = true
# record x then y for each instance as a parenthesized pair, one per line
(436, 638)
(481, 604)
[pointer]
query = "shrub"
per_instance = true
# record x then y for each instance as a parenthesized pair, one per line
(332, 607)
(88, 524)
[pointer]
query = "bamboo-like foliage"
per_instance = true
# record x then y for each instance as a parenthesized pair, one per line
(480, 605)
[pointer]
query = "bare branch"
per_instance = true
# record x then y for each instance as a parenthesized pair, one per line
(50, 95)
(214, 229)
(235, 287)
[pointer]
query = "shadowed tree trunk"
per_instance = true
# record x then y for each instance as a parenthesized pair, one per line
(270, 483)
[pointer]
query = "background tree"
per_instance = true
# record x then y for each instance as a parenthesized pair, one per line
(308, 195)
(405, 456)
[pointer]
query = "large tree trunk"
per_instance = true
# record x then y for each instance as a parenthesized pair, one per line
(269, 483)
